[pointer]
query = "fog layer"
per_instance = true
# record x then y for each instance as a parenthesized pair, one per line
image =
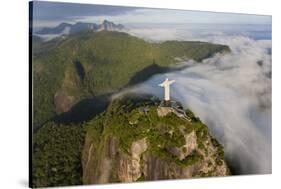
(231, 93)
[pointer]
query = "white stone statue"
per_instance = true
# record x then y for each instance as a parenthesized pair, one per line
(166, 84)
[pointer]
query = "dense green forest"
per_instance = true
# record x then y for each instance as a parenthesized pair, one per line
(57, 155)
(57, 149)
(73, 76)
(89, 64)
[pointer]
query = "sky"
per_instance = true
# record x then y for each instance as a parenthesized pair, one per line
(50, 14)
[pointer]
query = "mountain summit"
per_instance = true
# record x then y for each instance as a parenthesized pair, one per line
(137, 140)
(110, 26)
(66, 28)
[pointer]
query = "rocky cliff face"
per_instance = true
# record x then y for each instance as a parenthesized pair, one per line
(132, 142)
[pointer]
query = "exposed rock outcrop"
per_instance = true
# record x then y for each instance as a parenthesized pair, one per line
(68, 94)
(155, 148)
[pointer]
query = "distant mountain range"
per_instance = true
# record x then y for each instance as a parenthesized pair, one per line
(66, 28)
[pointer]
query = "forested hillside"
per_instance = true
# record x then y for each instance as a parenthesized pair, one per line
(123, 144)
(89, 64)
(73, 78)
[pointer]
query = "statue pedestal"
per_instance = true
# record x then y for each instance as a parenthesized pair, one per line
(166, 103)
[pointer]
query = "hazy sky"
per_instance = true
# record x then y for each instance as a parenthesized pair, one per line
(51, 14)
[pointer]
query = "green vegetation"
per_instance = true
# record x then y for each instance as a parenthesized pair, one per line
(58, 147)
(220, 151)
(119, 123)
(141, 178)
(57, 155)
(109, 61)
(71, 71)
(161, 133)
(38, 44)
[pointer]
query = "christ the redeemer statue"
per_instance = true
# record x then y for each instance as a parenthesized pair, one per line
(166, 84)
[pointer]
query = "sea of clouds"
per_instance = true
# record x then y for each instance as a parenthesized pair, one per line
(231, 93)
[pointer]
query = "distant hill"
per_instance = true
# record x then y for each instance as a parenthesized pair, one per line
(90, 64)
(66, 28)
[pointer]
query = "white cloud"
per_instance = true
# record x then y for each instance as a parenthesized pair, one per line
(230, 93)
(48, 37)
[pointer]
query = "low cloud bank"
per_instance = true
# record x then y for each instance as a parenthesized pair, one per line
(230, 93)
